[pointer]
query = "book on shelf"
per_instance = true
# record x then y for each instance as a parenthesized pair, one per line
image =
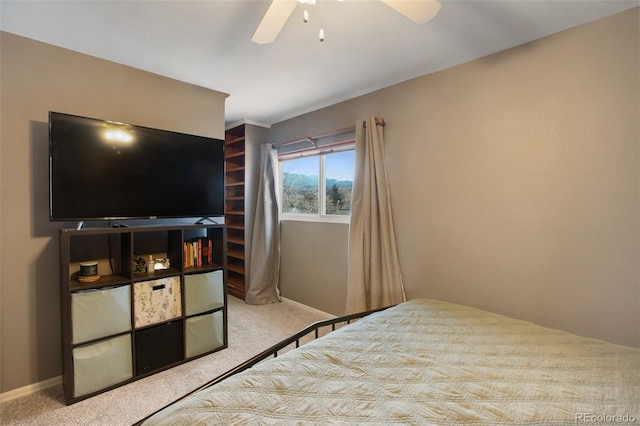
(197, 252)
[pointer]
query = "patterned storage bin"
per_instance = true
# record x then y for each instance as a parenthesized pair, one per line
(156, 301)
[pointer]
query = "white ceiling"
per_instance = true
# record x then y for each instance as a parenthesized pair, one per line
(368, 45)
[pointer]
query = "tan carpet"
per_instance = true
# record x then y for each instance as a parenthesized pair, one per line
(252, 329)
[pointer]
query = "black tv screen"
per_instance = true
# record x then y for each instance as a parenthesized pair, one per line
(101, 170)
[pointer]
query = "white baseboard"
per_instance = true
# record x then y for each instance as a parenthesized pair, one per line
(29, 389)
(54, 381)
(307, 308)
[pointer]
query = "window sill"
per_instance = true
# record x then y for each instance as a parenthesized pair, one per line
(316, 218)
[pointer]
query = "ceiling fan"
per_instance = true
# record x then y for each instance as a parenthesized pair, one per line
(419, 11)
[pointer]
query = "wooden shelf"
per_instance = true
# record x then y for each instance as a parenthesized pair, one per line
(235, 169)
(156, 275)
(101, 321)
(104, 281)
(235, 286)
(234, 155)
(235, 147)
(235, 254)
(230, 140)
(233, 240)
(236, 268)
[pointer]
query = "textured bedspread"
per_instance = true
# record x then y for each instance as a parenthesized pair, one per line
(429, 362)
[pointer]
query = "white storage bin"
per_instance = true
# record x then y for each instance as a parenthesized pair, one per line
(156, 301)
(204, 333)
(102, 364)
(100, 313)
(203, 292)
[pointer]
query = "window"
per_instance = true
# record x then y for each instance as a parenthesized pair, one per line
(318, 186)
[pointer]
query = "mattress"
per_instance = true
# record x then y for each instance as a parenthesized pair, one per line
(428, 362)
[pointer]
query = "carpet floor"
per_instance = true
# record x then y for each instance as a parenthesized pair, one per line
(251, 329)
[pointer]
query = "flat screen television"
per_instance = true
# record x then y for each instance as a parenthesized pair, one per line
(102, 170)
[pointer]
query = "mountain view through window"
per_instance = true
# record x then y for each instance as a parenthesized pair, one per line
(318, 185)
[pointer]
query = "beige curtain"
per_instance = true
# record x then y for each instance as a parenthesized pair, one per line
(374, 269)
(265, 242)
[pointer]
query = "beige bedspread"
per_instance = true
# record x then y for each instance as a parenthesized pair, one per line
(429, 362)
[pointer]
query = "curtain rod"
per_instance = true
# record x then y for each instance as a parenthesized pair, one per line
(314, 139)
(379, 122)
(324, 149)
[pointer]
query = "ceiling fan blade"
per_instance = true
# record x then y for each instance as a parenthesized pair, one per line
(419, 11)
(273, 21)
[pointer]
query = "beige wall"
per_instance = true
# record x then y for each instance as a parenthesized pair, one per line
(36, 78)
(314, 264)
(515, 184)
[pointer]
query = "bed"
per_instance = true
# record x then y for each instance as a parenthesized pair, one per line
(427, 362)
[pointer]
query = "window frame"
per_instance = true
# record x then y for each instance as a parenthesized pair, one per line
(322, 216)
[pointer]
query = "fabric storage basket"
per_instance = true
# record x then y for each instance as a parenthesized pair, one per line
(203, 292)
(204, 333)
(100, 313)
(156, 301)
(102, 364)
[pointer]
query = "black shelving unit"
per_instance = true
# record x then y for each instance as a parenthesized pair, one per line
(130, 323)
